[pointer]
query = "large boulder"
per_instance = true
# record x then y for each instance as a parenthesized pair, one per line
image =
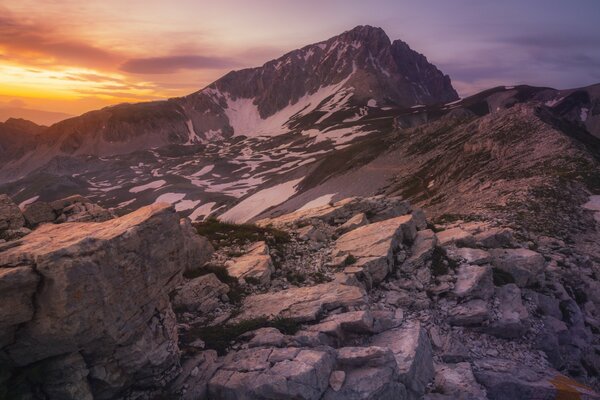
(11, 218)
(255, 266)
(79, 209)
(474, 282)
(38, 213)
(522, 264)
(103, 293)
(200, 294)
(372, 247)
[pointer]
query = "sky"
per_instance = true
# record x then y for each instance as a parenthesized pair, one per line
(72, 56)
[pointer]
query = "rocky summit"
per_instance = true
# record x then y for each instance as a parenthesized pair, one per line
(335, 224)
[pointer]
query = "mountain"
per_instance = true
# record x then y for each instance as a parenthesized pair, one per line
(38, 116)
(299, 91)
(17, 137)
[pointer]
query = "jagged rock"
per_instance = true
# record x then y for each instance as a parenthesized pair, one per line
(104, 293)
(473, 312)
(412, 351)
(472, 256)
(495, 238)
(263, 373)
(524, 265)
(373, 245)
(458, 382)
(421, 250)
(301, 304)
(17, 287)
(457, 236)
(356, 221)
(65, 377)
(507, 380)
(511, 322)
(474, 282)
(336, 380)
(267, 337)
(312, 233)
(192, 382)
(38, 212)
(79, 209)
(420, 219)
(255, 266)
(340, 325)
(200, 294)
(370, 373)
(10, 214)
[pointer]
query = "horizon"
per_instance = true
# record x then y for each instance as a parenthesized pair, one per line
(100, 54)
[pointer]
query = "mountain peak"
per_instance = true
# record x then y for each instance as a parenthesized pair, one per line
(366, 34)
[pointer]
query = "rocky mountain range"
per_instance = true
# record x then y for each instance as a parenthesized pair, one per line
(398, 242)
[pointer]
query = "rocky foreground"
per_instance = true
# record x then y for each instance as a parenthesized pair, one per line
(358, 299)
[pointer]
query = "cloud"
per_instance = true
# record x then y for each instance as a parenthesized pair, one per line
(171, 64)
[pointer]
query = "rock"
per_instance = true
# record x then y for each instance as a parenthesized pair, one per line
(456, 236)
(421, 250)
(253, 267)
(66, 377)
(356, 221)
(420, 219)
(311, 233)
(301, 304)
(495, 238)
(507, 380)
(38, 213)
(473, 312)
(522, 264)
(79, 209)
(472, 256)
(370, 373)
(474, 282)
(262, 373)
(104, 293)
(511, 322)
(17, 288)
(192, 382)
(200, 294)
(10, 214)
(200, 248)
(412, 351)
(267, 337)
(341, 325)
(336, 380)
(458, 382)
(373, 245)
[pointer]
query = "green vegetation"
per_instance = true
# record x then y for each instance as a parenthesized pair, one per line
(219, 337)
(223, 234)
(350, 260)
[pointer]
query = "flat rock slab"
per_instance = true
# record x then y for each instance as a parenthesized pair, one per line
(474, 282)
(302, 304)
(456, 236)
(265, 373)
(373, 245)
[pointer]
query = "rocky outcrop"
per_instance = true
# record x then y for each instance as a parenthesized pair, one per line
(92, 298)
(255, 266)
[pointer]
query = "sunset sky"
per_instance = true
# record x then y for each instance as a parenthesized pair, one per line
(72, 56)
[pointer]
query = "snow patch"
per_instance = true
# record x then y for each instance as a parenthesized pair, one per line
(204, 209)
(170, 198)
(203, 171)
(186, 205)
(260, 201)
(151, 185)
(27, 202)
(318, 202)
(372, 103)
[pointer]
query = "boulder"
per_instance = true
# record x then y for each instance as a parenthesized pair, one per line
(373, 246)
(458, 381)
(265, 373)
(456, 236)
(303, 304)
(356, 221)
(345, 324)
(471, 256)
(10, 214)
(421, 250)
(200, 294)
(17, 288)
(473, 312)
(38, 213)
(200, 248)
(267, 337)
(103, 292)
(413, 354)
(79, 209)
(522, 264)
(495, 238)
(474, 282)
(512, 314)
(311, 233)
(255, 266)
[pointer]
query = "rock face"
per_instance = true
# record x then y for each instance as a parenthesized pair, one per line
(524, 265)
(101, 300)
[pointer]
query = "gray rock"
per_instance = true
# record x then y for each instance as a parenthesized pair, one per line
(472, 256)
(458, 382)
(495, 238)
(473, 312)
(421, 250)
(457, 236)
(412, 351)
(311, 233)
(79, 209)
(200, 294)
(104, 293)
(336, 380)
(10, 214)
(474, 282)
(17, 288)
(512, 320)
(38, 212)
(254, 267)
(267, 337)
(355, 222)
(524, 265)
